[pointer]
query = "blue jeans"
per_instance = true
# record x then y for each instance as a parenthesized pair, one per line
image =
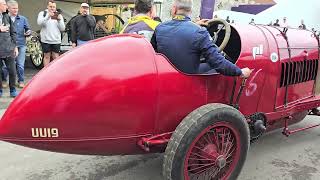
(9, 62)
(80, 42)
(20, 60)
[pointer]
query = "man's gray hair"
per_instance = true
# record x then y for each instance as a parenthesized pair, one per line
(12, 3)
(2, 1)
(185, 5)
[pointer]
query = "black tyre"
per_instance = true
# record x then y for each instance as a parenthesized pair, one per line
(212, 142)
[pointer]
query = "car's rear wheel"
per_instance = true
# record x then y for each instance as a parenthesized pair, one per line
(210, 143)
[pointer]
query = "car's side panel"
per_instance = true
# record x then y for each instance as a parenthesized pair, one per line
(178, 94)
(255, 54)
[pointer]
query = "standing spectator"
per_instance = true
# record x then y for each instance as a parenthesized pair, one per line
(276, 23)
(252, 22)
(83, 27)
(303, 26)
(284, 22)
(68, 26)
(23, 29)
(52, 24)
(228, 19)
(8, 48)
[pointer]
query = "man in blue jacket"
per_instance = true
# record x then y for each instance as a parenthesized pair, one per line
(183, 42)
(22, 29)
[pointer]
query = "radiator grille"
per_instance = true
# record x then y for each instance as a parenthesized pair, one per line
(298, 72)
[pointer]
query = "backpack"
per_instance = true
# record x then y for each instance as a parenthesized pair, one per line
(45, 13)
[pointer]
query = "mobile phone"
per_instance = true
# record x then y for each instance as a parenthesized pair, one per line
(55, 16)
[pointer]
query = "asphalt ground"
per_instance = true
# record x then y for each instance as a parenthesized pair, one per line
(272, 157)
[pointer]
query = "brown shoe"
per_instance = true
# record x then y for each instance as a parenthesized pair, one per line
(5, 84)
(21, 85)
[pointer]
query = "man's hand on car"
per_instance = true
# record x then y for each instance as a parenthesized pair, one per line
(246, 72)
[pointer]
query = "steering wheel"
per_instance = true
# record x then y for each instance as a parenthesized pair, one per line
(215, 26)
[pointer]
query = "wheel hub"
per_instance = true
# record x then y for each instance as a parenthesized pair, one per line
(221, 162)
(210, 151)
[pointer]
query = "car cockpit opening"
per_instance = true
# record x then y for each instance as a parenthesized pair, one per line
(226, 37)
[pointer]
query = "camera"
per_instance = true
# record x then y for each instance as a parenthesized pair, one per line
(56, 14)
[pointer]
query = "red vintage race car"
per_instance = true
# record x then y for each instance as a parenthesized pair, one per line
(116, 95)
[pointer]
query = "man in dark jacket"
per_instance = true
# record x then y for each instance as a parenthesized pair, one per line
(82, 27)
(183, 42)
(8, 48)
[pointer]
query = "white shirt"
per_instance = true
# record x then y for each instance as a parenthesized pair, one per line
(13, 18)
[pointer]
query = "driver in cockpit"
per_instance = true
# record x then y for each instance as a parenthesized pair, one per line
(183, 42)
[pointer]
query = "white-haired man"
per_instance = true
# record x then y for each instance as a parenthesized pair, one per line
(183, 42)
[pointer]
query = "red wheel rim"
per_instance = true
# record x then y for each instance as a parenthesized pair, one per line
(213, 154)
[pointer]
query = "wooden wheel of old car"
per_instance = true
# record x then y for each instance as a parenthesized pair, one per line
(210, 143)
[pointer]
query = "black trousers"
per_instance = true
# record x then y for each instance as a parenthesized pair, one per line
(10, 63)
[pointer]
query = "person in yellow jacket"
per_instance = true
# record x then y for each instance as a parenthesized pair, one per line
(142, 23)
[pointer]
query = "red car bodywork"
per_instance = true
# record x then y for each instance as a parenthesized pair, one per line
(103, 97)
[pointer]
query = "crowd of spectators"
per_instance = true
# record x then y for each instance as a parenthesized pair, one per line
(284, 23)
(14, 28)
